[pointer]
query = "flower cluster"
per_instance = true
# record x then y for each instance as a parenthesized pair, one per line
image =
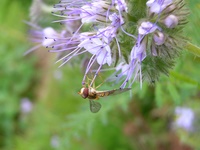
(138, 39)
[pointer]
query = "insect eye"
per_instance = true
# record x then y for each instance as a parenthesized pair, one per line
(85, 93)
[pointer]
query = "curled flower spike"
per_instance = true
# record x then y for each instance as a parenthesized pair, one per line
(115, 34)
(96, 43)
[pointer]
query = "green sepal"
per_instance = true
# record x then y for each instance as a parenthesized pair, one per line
(152, 67)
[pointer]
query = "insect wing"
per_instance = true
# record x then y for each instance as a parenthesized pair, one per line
(111, 92)
(94, 106)
(119, 91)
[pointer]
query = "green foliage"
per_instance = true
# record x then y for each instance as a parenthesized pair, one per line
(193, 49)
(135, 8)
(16, 71)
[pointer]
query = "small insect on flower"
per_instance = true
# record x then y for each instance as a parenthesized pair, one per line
(92, 94)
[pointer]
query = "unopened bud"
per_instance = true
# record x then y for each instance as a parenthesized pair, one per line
(153, 50)
(159, 38)
(171, 21)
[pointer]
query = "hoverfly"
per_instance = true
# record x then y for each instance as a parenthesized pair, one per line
(92, 94)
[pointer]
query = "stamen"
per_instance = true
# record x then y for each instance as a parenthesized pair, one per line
(62, 50)
(118, 47)
(67, 59)
(68, 55)
(32, 49)
(98, 69)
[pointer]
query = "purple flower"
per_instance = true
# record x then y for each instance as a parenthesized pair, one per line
(184, 118)
(121, 5)
(91, 13)
(146, 28)
(138, 54)
(49, 34)
(157, 6)
(26, 106)
(55, 142)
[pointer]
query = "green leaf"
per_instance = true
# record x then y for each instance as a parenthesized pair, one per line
(184, 78)
(174, 93)
(159, 95)
(193, 49)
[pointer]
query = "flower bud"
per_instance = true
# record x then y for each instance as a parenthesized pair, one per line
(171, 21)
(159, 38)
(153, 50)
(146, 28)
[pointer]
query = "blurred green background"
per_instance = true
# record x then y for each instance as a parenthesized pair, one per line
(40, 108)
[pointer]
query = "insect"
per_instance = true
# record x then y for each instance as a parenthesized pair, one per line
(92, 94)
